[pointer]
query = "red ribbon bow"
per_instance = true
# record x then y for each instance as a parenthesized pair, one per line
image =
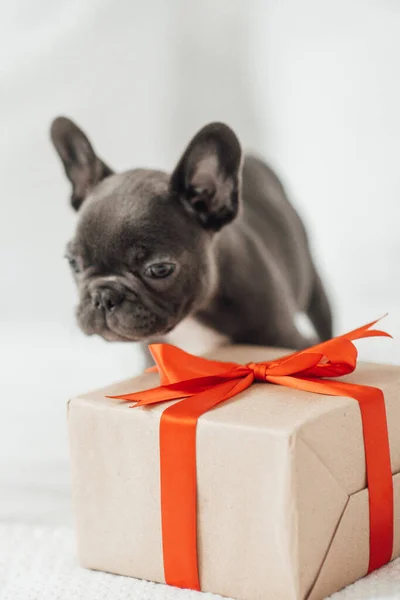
(201, 384)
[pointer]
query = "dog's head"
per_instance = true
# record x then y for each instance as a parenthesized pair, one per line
(142, 252)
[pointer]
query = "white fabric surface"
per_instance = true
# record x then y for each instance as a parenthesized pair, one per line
(38, 563)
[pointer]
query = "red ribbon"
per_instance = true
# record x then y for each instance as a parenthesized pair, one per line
(202, 384)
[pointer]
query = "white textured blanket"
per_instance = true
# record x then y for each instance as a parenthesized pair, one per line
(38, 563)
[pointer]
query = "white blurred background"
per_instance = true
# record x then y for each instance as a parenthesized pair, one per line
(313, 86)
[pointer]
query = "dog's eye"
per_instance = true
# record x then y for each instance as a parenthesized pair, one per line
(73, 263)
(160, 270)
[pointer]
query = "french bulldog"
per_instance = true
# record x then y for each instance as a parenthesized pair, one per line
(212, 253)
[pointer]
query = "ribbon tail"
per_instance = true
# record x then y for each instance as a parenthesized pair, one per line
(366, 331)
(153, 396)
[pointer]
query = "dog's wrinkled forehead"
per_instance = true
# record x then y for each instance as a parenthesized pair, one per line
(131, 212)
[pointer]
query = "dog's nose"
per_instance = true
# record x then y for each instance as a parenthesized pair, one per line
(106, 298)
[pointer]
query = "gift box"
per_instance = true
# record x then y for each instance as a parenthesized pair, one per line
(280, 498)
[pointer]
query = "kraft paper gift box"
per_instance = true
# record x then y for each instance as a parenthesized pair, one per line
(282, 504)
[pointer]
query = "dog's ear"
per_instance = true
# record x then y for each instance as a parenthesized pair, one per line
(207, 177)
(83, 168)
